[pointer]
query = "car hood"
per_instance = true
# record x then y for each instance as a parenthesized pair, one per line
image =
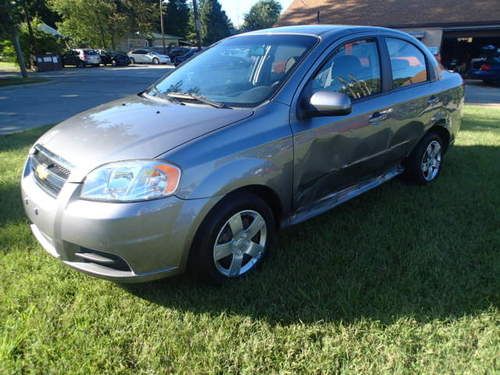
(132, 128)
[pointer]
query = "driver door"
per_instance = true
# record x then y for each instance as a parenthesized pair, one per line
(335, 152)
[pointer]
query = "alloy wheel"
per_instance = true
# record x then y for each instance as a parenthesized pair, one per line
(240, 244)
(431, 160)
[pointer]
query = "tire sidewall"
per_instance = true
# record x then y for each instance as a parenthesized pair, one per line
(201, 263)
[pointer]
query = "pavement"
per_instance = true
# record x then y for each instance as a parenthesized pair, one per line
(71, 91)
(476, 92)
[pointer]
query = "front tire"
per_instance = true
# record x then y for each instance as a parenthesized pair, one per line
(425, 162)
(132, 61)
(233, 239)
(156, 61)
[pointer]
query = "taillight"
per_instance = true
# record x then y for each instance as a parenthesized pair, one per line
(485, 67)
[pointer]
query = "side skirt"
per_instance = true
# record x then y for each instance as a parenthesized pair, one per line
(339, 197)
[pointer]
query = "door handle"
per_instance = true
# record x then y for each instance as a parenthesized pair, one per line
(379, 116)
(434, 100)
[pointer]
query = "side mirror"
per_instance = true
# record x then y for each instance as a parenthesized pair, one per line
(329, 103)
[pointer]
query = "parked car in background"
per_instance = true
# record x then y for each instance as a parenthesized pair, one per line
(177, 60)
(81, 57)
(261, 131)
(144, 56)
(173, 52)
(487, 70)
(114, 58)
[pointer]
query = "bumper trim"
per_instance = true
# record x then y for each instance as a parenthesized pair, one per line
(44, 241)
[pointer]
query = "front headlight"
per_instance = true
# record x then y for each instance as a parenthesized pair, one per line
(129, 181)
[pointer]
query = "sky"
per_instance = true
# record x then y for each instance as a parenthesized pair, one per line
(236, 9)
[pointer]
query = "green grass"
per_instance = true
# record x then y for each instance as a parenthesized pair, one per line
(12, 81)
(8, 66)
(403, 279)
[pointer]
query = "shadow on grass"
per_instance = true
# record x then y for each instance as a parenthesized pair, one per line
(11, 209)
(12, 142)
(399, 251)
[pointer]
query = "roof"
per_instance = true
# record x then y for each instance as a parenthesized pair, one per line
(302, 29)
(412, 13)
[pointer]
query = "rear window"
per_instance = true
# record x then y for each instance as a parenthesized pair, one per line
(407, 62)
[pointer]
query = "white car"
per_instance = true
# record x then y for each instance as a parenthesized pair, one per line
(144, 56)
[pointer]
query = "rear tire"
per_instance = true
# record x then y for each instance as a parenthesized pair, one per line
(132, 61)
(424, 164)
(233, 239)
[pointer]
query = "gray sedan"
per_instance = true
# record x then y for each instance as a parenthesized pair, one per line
(261, 131)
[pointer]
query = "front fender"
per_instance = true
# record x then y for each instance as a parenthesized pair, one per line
(239, 173)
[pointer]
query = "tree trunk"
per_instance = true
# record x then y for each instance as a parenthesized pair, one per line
(19, 53)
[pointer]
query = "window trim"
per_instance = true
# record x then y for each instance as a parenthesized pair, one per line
(340, 44)
(389, 64)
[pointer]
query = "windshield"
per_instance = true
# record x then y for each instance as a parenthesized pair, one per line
(242, 71)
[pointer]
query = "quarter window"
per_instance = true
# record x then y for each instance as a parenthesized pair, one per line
(354, 69)
(407, 63)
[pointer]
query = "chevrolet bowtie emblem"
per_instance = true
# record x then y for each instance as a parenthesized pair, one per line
(42, 171)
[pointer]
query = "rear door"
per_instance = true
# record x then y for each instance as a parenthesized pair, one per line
(413, 96)
(334, 152)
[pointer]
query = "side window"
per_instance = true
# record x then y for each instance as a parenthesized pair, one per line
(353, 69)
(407, 63)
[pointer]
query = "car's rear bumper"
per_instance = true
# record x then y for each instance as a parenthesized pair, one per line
(125, 242)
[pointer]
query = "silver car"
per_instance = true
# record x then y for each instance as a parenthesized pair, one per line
(261, 131)
(144, 56)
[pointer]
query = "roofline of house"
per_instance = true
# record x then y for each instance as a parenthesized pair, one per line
(450, 25)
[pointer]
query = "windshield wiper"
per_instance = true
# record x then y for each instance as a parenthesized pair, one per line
(196, 97)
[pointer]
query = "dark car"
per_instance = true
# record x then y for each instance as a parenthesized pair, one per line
(177, 60)
(488, 70)
(173, 52)
(114, 58)
(81, 57)
(261, 131)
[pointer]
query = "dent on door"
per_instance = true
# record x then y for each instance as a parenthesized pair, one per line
(332, 153)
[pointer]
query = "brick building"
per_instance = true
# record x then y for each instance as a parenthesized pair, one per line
(457, 28)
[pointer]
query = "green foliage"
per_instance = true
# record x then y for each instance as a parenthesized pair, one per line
(42, 42)
(262, 15)
(402, 280)
(176, 18)
(100, 23)
(215, 25)
(7, 51)
(93, 23)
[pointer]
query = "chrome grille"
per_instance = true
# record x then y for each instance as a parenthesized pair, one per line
(49, 171)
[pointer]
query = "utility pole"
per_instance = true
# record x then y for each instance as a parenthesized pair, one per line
(161, 26)
(19, 52)
(197, 24)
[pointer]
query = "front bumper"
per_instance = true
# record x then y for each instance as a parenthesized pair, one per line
(125, 242)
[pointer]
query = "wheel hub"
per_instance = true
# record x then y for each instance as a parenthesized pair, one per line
(240, 243)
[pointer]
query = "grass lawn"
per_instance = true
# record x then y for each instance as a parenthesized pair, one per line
(404, 279)
(8, 66)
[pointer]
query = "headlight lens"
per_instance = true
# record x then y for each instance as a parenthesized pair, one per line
(129, 181)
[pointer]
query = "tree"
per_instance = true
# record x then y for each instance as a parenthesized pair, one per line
(99, 23)
(215, 24)
(10, 18)
(263, 14)
(176, 18)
